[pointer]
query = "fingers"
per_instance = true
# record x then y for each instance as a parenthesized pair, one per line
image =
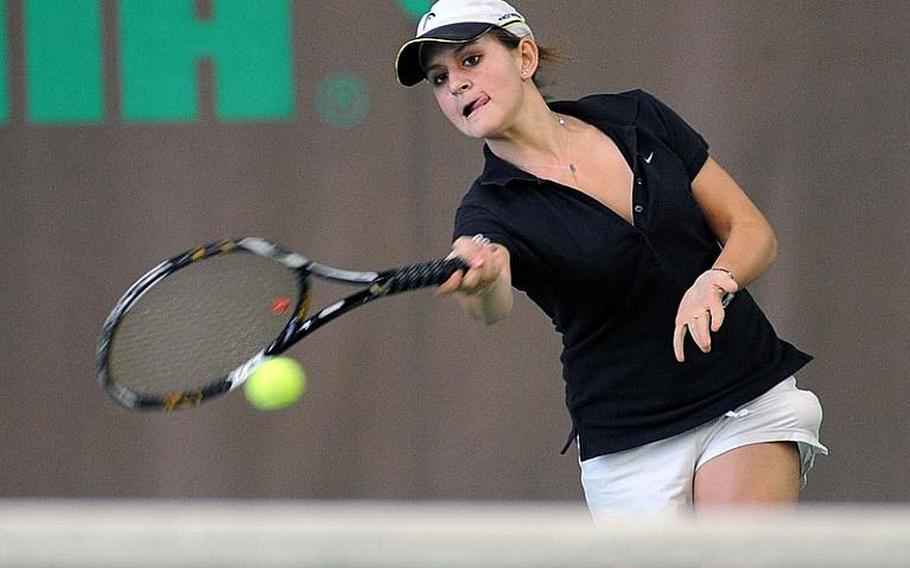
(679, 338)
(484, 261)
(729, 283)
(699, 323)
(451, 285)
(702, 310)
(716, 313)
(699, 329)
(698, 326)
(476, 271)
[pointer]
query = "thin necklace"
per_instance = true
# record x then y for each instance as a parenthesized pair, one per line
(573, 168)
(562, 122)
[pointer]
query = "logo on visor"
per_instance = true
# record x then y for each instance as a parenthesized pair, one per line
(426, 20)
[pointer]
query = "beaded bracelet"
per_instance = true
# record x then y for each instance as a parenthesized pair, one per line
(729, 272)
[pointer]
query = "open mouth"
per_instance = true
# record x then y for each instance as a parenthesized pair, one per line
(468, 110)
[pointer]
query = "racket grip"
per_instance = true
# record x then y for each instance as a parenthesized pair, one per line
(431, 273)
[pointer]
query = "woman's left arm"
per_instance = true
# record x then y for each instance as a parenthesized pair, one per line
(749, 247)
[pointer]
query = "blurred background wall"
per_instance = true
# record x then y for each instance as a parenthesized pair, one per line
(132, 130)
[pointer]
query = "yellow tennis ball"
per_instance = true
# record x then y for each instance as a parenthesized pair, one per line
(275, 383)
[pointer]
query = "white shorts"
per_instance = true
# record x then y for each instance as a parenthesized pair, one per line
(658, 477)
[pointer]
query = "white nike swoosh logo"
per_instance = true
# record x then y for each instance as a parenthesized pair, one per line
(648, 159)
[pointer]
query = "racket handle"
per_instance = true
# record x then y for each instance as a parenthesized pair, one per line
(431, 273)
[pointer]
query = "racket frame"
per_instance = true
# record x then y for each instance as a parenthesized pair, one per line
(379, 284)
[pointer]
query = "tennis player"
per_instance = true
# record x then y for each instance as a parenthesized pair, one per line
(610, 214)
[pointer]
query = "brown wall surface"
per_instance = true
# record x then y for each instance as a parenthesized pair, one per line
(804, 102)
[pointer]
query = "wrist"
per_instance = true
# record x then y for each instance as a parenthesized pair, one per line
(725, 270)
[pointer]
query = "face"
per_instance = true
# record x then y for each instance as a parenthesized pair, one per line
(477, 85)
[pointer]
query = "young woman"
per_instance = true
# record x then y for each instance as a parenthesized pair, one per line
(612, 217)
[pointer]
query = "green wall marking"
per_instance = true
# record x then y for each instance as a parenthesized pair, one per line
(414, 9)
(63, 61)
(249, 43)
(343, 99)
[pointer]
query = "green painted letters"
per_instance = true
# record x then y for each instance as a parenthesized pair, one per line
(248, 42)
(63, 61)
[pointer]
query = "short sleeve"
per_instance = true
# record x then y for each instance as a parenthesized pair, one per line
(684, 140)
(472, 219)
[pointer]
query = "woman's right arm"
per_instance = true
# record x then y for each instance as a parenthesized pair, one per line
(485, 291)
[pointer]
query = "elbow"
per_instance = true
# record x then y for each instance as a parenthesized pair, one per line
(494, 311)
(760, 236)
(771, 244)
(491, 317)
(772, 249)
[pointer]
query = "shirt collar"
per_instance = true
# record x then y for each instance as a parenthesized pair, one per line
(613, 114)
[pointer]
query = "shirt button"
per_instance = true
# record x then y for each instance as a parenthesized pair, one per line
(639, 208)
(638, 181)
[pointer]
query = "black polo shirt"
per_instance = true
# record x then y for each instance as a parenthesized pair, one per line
(612, 288)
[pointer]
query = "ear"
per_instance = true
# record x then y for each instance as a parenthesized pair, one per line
(529, 57)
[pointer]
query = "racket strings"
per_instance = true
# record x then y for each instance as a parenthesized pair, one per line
(201, 322)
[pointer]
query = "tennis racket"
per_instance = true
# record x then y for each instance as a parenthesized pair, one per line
(195, 326)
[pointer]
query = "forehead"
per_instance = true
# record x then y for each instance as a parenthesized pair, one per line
(434, 53)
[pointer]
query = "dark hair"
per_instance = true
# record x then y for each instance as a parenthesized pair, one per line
(510, 41)
(546, 54)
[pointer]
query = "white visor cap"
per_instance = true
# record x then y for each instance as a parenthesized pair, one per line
(456, 21)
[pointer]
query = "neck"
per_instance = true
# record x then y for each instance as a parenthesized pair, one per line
(534, 136)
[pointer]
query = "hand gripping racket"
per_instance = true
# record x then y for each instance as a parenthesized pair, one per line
(193, 327)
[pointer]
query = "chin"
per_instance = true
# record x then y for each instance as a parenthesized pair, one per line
(480, 127)
(473, 132)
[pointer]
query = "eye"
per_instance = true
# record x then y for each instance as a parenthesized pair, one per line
(471, 60)
(438, 79)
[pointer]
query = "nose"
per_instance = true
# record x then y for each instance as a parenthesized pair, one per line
(458, 84)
